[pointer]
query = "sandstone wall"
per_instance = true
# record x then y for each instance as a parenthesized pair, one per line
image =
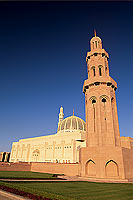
(15, 166)
(128, 162)
(102, 162)
(56, 168)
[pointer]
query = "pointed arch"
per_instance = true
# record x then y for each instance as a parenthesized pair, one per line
(104, 97)
(90, 168)
(35, 155)
(93, 98)
(111, 169)
(93, 71)
(100, 70)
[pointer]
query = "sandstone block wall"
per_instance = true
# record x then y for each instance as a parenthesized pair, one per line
(128, 162)
(102, 162)
(56, 168)
(15, 167)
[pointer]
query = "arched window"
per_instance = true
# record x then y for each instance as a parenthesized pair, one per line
(35, 155)
(94, 73)
(93, 101)
(93, 70)
(100, 70)
(103, 100)
(93, 45)
(96, 43)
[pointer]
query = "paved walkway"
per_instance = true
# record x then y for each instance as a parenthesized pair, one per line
(9, 196)
(73, 178)
(78, 178)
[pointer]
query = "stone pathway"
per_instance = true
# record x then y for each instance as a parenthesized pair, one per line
(73, 178)
(78, 178)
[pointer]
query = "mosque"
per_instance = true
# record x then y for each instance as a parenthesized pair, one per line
(95, 146)
(62, 147)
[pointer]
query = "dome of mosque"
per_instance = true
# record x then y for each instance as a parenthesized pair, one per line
(71, 124)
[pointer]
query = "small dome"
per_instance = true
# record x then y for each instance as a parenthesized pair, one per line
(96, 38)
(71, 124)
(96, 43)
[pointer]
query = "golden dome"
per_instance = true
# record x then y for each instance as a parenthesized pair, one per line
(71, 124)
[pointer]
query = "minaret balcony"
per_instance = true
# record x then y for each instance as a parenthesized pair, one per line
(95, 81)
(97, 52)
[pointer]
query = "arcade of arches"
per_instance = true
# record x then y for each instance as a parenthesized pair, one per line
(111, 169)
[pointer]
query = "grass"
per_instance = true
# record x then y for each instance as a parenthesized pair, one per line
(76, 190)
(26, 174)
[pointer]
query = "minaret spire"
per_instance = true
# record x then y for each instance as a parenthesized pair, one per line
(95, 32)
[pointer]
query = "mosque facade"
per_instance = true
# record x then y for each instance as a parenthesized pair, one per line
(62, 147)
(96, 144)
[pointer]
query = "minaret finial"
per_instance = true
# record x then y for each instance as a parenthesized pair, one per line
(73, 111)
(95, 32)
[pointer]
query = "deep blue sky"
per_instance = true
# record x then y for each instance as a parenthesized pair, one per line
(42, 62)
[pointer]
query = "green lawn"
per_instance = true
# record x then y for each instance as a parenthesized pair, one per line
(19, 174)
(76, 190)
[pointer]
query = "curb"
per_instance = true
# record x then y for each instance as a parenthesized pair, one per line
(11, 195)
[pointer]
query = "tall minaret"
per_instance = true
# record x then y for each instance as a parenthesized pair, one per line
(100, 101)
(61, 115)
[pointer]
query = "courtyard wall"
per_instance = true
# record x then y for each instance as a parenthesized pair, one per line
(15, 166)
(56, 168)
(128, 162)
